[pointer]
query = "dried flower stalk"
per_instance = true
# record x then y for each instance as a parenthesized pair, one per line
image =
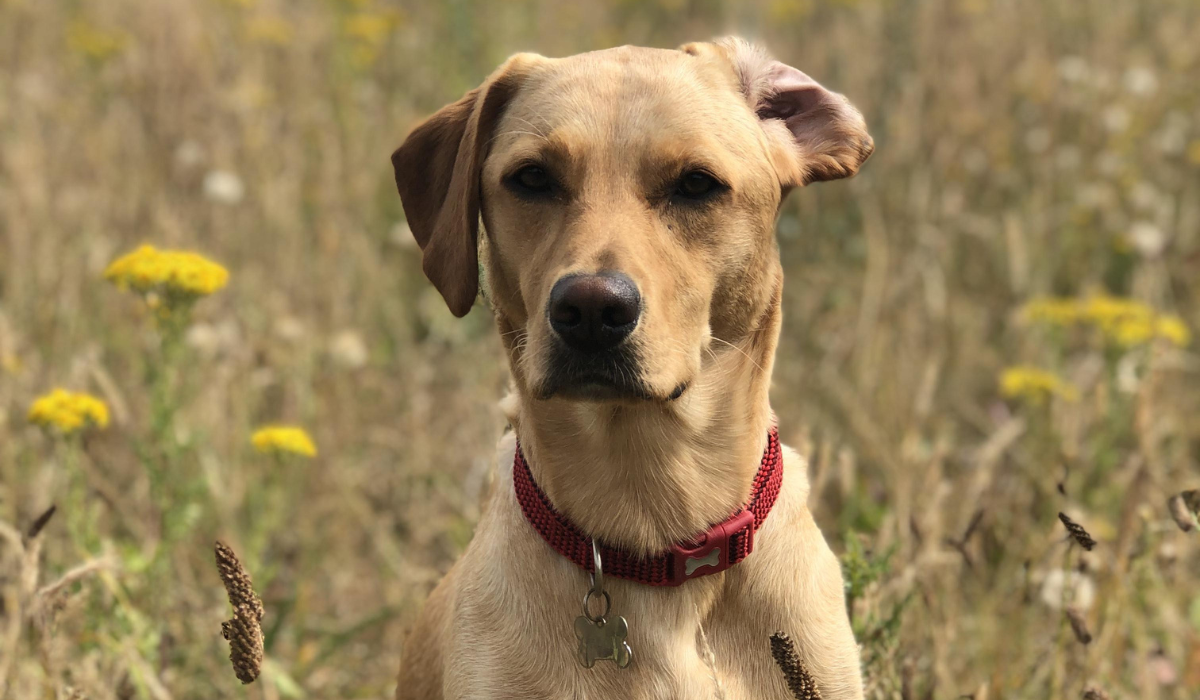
(799, 680)
(243, 632)
(1078, 534)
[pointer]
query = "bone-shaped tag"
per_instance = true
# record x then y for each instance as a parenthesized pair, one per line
(603, 639)
(713, 558)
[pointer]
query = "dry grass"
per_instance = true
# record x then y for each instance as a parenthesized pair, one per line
(1025, 148)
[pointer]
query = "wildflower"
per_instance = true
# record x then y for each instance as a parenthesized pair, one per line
(1053, 310)
(1076, 587)
(178, 273)
(349, 350)
(1116, 119)
(1129, 322)
(1147, 239)
(1034, 385)
(223, 187)
(270, 30)
(94, 43)
(1141, 81)
(1073, 69)
(369, 27)
(368, 31)
(1173, 329)
(68, 412)
(281, 439)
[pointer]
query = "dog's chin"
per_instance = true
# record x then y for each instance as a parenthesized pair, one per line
(602, 389)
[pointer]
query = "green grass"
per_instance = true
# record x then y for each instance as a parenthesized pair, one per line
(1024, 148)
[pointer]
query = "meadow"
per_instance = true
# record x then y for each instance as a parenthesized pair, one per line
(992, 324)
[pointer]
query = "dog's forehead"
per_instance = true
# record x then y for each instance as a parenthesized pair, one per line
(628, 91)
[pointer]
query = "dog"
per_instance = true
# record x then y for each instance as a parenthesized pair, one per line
(628, 200)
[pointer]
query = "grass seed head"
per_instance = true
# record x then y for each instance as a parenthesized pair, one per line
(243, 631)
(799, 680)
(1078, 534)
(39, 523)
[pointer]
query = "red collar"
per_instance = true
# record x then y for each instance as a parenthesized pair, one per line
(722, 546)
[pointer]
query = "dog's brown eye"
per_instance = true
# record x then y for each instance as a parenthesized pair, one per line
(697, 185)
(533, 178)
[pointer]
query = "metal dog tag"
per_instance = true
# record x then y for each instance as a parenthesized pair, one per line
(601, 638)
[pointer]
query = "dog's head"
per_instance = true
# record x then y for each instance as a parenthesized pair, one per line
(629, 199)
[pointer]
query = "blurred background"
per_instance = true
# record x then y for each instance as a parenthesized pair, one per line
(990, 325)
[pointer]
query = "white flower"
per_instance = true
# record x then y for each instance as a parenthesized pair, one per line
(290, 328)
(223, 187)
(348, 349)
(1070, 587)
(1073, 69)
(1141, 81)
(1116, 119)
(1147, 239)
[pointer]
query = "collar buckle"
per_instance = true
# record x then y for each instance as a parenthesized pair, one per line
(722, 546)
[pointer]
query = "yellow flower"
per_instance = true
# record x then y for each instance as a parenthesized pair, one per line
(179, 272)
(68, 412)
(1053, 310)
(1034, 385)
(93, 42)
(1173, 329)
(283, 439)
(268, 29)
(369, 27)
(1128, 322)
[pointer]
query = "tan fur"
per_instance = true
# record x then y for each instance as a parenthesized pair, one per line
(613, 127)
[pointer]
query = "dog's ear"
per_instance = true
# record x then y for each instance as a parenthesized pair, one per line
(437, 173)
(826, 136)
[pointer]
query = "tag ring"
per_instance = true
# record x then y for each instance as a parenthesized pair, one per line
(597, 589)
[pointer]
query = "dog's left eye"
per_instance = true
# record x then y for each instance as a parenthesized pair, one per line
(697, 185)
(532, 179)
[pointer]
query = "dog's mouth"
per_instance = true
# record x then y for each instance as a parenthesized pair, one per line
(613, 375)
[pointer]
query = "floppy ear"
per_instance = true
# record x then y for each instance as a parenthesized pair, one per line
(437, 173)
(827, 136)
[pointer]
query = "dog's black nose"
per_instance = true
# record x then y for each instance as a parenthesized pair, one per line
(594, 312)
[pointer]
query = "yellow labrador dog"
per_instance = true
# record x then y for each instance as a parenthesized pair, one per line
(646, 533)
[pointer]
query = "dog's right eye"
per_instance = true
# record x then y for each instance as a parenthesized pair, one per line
(532, 179)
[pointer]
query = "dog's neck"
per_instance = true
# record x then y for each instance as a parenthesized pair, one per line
(643, 476)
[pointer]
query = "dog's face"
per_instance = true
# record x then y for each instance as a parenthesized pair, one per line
(629, 199)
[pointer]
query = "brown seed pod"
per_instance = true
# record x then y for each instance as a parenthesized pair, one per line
(40, 522)
(799, 680)
(243, 631)
(1079, 626)
(1077, 532)
(1185, 507)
